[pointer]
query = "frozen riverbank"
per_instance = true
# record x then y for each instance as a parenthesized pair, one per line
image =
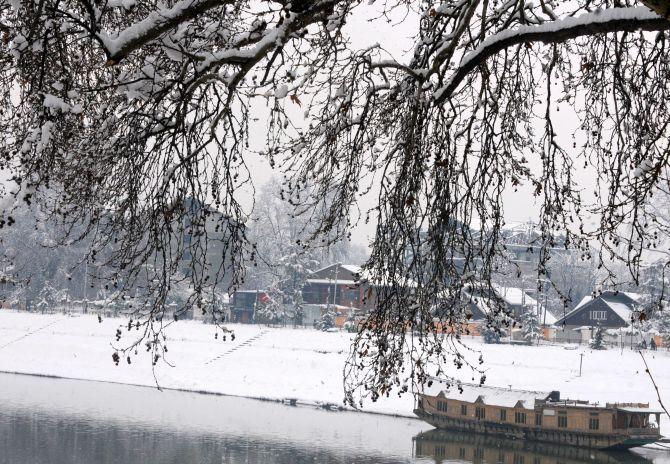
(302, 364)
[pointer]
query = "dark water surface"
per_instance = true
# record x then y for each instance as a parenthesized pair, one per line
(53, 421)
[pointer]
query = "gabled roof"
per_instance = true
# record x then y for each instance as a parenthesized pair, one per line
(353, 274)
(514, 296)
(490, 396)
(621, 303)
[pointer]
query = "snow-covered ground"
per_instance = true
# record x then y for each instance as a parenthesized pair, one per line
(282, 363)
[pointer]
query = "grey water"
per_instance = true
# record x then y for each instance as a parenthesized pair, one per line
(58, 421)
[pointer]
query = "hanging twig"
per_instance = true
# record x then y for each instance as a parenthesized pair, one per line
(658, 393)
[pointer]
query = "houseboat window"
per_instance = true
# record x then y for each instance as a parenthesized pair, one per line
(518, 459)
(598, 315)
(464, 410)
(537, 460)
(442, 406)
(520, 417)
(479, 455)
(562, 419)
(461, 453)
(503, 414)
(538, 419)
(594, 423)
(480, 413)
(440, 451)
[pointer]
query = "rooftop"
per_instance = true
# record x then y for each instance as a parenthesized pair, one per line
(490, 396)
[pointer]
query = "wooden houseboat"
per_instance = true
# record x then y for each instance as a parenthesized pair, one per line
(539, 416)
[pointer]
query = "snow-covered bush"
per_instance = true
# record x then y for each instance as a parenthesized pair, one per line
(327, 319)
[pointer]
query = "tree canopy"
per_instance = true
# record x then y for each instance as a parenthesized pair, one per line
(129, 120)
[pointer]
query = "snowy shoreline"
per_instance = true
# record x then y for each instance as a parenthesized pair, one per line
(291, 402)
(305, 365)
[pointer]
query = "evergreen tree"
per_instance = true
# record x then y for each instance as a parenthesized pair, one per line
(532, 330)
(327, 319)
(491, 335)
(597, 342)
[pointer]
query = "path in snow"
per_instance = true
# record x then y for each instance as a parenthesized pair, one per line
(28, 334)
(247, 342)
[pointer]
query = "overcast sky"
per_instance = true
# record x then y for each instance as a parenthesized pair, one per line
(520, 206)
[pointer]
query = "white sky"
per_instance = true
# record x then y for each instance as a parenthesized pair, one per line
(520, 206)
(396, 37)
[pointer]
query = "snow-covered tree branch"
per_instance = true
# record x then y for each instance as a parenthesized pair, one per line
(132, 123)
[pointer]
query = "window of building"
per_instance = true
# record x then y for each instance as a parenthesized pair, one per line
(538, 419)
(562, 420)
(594, 422)
(503, 415)
(464, 410)
(480, 413)
(520, 417)
(598, 315)
(442, 406)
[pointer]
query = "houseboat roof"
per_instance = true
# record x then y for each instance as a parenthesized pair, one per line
(490, 396)
(638, 409)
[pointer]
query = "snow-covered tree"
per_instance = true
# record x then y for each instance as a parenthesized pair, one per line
(47, 298)
(597, 342)
(139, 110)
(491, 334)
(327, 320)
(530, 324)
(272, 311)
(280, 236)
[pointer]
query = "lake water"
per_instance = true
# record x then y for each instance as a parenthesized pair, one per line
(55, 421)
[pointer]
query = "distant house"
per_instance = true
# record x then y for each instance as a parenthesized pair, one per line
(611, 309)
(337, 284)
(245, 303)
(516, 301)
(346, 287)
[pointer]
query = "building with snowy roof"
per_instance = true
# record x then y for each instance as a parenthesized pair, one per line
(346, 285)
(610, 309)
(515, 300)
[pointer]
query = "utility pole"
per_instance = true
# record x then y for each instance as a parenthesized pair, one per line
(581, 358)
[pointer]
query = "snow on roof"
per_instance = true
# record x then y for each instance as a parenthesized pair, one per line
(491, 396)
(637, 297)
(353, 268)
(639, 409)
(514, 296)
(622, 310)
(547, 318)
(584, 300)
(332, 281)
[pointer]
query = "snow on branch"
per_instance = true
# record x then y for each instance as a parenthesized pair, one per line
(153, 26)
(611, 20)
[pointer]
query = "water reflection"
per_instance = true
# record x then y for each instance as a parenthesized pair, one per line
(442, 446)
(51, 421)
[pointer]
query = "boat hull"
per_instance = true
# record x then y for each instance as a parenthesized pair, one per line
(572, 438)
